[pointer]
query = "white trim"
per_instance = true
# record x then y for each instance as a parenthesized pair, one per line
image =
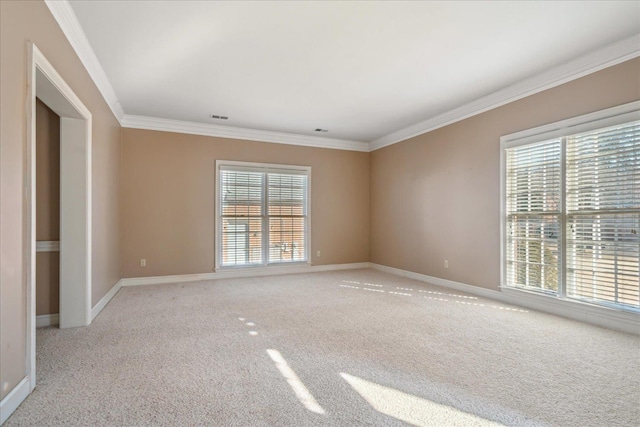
(206, 129)
(607, 56)
(600, 59)
(587, 122)
(576, 310)
(475, 290)
(54, 319)
(68, 22)
(43, 64)
(241, 272)
(43, 320)
(503, 214)
(75, 185)
(264, 168)
(598, 315)
(308, 242)
(217, 226)
(30, 216)
(12, 400)
(47, 246)
(599, 119)
(105, 300)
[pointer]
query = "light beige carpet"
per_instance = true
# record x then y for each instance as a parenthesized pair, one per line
(337, 349)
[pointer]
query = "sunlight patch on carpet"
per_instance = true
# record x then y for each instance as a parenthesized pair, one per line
(412, 409)
(298, 387)
(373, 284)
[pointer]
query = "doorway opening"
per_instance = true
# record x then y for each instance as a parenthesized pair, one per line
(44, 83)
(47, 207)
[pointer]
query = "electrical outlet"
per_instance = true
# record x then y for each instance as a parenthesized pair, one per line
(446, 263)
(318, 254)
(143, 262)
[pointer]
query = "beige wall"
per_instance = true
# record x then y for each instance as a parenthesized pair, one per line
(168, 191)
(47, 208)
(433, 197)
(20, 22)
(47, 283)
(437, 196)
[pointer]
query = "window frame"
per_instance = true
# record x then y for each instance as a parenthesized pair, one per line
(260, 168)
(559, 130)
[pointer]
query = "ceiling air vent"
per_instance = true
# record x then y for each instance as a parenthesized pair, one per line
(217, 117)
(321, 130)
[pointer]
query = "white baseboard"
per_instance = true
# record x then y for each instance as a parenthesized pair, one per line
(576, 310)
(462, 287)
(240, 272)
(12, 400)
(105, 300)
(338, 267)
(43, 320)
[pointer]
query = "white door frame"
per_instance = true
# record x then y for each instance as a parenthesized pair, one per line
(44, 82)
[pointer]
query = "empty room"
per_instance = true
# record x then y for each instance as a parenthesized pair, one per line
(301, 213)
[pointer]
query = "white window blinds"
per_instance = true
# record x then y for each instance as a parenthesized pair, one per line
(287, 217)
(242, 217)
(603, 215)
(533, 215)
(263, 215)
(572, 215)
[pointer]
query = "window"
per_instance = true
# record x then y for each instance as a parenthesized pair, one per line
(571, 209)
(262, 214)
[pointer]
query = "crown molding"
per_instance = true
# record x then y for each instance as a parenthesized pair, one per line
(68, 22)
(608, 56)
(193, 128)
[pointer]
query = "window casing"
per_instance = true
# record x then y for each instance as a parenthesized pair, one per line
(571, 209)
(262, 214)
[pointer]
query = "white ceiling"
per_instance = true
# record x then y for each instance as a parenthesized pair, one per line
(362, 70)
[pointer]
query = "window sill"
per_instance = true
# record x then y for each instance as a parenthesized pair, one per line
(263, 270)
